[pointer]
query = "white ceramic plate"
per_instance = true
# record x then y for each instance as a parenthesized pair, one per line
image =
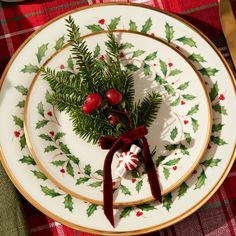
(73, 212)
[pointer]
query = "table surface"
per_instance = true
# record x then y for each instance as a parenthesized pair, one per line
(19, 20)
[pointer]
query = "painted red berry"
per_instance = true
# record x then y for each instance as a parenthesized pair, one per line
(62, 170)
(206, 83)
(101, 21)
(113, 119)
(133, 180)
(102, 58)
(222, 97)
(122, 55)
(52, 133)
(170, 64)
(178, 47)
(185, 122)
(152, 34)
(139, 213)
(154, 64)
(94, 100)
(49, 113)
(174, 167)
(17, 134)
(113, 96)
(209, 146)
(62, 67)
(182, 102)
(87, 108)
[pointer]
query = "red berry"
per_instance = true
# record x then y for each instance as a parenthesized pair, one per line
(62, 67)
(170, 64)
(101, 21)
(174, 167)
(113, 96)
(102, 58)
(133, 180)
(94, 100)
(209, 146)
(139, 213)
(122, 55)
(185, 122)
(62, 170)
(222, 97)
(152, 34)
(51, 133)
(49, 113)
(87, 108)
(17, 134)
(113, 119)
(182, 102)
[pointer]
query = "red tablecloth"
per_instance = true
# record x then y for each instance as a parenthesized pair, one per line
(18, 21)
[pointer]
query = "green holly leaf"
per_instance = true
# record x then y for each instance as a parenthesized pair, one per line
(70, 63)
(126, 212)
(211, 162)
(163, 67)
(21, 89)
(59, 43)
(50, 148)
(139, 185)
(114, 23)
(94, 28)
(39, 174)
(124, 46)
(58, 163)
(160, 80)
(193, 110)
(196, 57)
(99, 172)
(49, 192)
(97, 51)
(41, 109)
(208, 71)
(91, 209)
(200, 180)
(59, 135)
(132, 67)
(132, 26)
(159, 160)
(27, 160)
(69, 169)
(175, 102)
(124, 190)
(187, 137)
(138, 53)
(146, 207)
(217, 140)
(194, 124)
(182, 189)
(151, 56)
(171, 147)
(82, 180)
(48, 97)
(22, 142)
(18, 121)
(173, 133)
(96, 184)
(170, 90)
(68, 202)
(21, 104)
(217, 127)
(218, 108)
(147, 25)
(64, 148)
(41, 52)
(187, 41)
(214, 91)
(87, 169)
(167, 201)
(172, 162)
(30, 69)
(169, 31)
(147, 69)
(183, 86)
(74, 159)
(184, 149)
(41, 124)
(166, 173)
(188, 97)
(175, 72)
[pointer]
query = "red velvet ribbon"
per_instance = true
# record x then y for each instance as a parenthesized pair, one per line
(123, 143)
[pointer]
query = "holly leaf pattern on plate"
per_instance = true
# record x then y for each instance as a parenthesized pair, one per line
(166, 172)
(95, 28)
(194, 124)
(139, 185)
(21, 89)
(167, 201)
(21, 104)
(96, 184)
(182, 189)
(193, 110)
(45, 137)
(41, 124)
(27, 160)
(146, 207)
(172, 162)
(22, 141)
(82, 180)
(184, 149)
(50, 148)
(68, 202)
(217, 127)
(218, 108)
(126, 212)
(132, 67)
(147, 69)
(163, 67)
(126, 45)
(91, 209)
(49, 191)
(175, 102)
(87, 169)
(58, 163)
(173, 133)
(124, 190)
(59, 135)
(133, 26)
(30, 69)
(214, 91)
(183, 86)
(187, 137)
(114, 23)
(169, 31)
(151, 56)
(18, 121)
(138, 53)
(70, 63)
(211, 162)
(188, 97)
(217, 140)
(41, 52)
(147, 25)
(200, 180)
(59, 43)
(39, 174)
(196, 57)
(208, 71)
(69, 169)
(187, 41)
(159, 160)
(40, 109)
(175, 72)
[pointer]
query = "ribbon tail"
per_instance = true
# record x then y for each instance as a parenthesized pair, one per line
(151, 171)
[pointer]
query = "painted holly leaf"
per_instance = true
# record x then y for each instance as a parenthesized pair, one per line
(82, 180)
(40, 109)
(175, 102)
(211, 162)
(70, 63)
(30, 69)
(194, 124)
(159, 160)
(171, 147)
(94, 28)
(217, 127)
(187, 41)
(49, 192)
(167, 201)
(138, 53)
(58, 163)
(99, 172)
(196, 57)
(184, 149)
(134, 173)
(21, 89)
(151, 56)
(169, 31)
(50, 148)
(166, 172)
(18, 121)
(214, 91)
(147, 25)
(132, 67)
(48, 97)
(183, 86)
(87, 169)
(217, 140)
(27, 160)
(69, 169)
(170, 90)
(188, 97)
(132, 26)
(175, 72)
(146, 207)
(172, 162)
(21, 104)
(114, 23)
(41, 124)
(60, 42)
(68, 202)
(182, 189)
(126, 45)
(126, 212)
(64, 148)
(147, 69)
(124, 190)
(218, 108)
(163, 67)
(187, 137)
(96, 184)
(139, 185)
(208, 71)
(173, 133)
(200, 180)
(193, 110)
(22, 142)
(74, 159)
(41, 52)
(91, 209)
(59, 135)
(39, 174)
(160, 80)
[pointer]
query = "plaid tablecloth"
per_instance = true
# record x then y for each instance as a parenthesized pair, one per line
(18, 21)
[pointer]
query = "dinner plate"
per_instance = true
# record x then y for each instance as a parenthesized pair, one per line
(179, 134)
(143, 218)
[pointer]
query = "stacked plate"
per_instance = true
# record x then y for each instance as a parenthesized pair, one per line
(194, 132)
